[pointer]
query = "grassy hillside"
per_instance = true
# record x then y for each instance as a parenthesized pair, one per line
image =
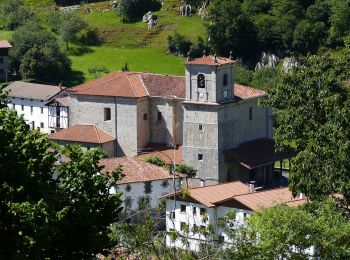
(143, 49)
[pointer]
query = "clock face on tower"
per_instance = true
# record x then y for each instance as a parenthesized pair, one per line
(201, 81)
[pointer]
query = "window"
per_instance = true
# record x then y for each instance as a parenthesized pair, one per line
(200, 127)
(107, 113)
(22, 107)
(165, 184)
(128, 188)
(145, 116)
(202, 211)
(250, 113)
(221, 239)
(194, 211)
(33, 125)
(201, 81)
(244, 215)
(1, 60)
(147, 187)
(200, 157)
(52, 131)
(41, 125)
(13, 106)
(225, 80)
(159, 116)
(183, 208)
(31, 110)
(172, 215)
(42, 110)
(88, 148)
(144, 202)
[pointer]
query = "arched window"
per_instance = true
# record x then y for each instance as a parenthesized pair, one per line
(225, 80)
(201, 81)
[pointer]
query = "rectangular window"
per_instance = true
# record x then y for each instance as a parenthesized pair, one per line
(183, 208)
(147, 187)
(31, 110)
(202, 211)
(33, 125)
(42, 110)
(145, 116)
(159, 117)
(200, 157)
(22, 107)
(52, 131)
(250, 113)
(107, 113)
(41, 125)
(200, 127)
(172, 215)
(183, 226)
(194, 211)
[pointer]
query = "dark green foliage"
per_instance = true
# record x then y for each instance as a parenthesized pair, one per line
(133, 10)
(16, 14)
(178, 44)
(242, 75)
(312, 112)
(44, 218)
(98, 71)
(186, 169)
(264, 78)
(70, 25)
(155, 161)
(36, 54)
(281, 26)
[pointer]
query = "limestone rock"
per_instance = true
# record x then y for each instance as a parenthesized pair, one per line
(185, 10)
(149, 16)
(151, 24)
(267, 60)
(289, 63)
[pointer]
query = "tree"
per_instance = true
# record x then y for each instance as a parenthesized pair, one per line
(50, 211)
(133, 10)
(16, 14)
(71, 24)
(230, 29)
(36, 54)
(340, 20)
(311, 110)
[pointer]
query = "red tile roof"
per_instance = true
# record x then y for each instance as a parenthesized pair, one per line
(116, 84)
(164, 86)
(136, 170)
(83, 134)
(244, 92)
(255, 153)
(210, 60)
(266, 199)
(163, 152)
(5, 44)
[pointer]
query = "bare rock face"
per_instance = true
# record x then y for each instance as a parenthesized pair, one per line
(202, 11)
(148, 16)
(152, 23)
(289, 63)
(267, 60)
(185, 10)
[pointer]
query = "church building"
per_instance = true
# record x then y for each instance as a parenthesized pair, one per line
(203, 119)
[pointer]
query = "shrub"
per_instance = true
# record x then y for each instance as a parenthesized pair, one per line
(178, 44)
(186, 169)
(133, 10)
(155, 161)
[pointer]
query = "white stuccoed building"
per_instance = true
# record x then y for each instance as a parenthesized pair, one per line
(200, 207)
(142, 185)
(30, 99)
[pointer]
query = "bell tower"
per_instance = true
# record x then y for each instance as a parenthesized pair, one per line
(209, 86)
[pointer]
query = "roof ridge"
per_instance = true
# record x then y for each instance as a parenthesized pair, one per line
(143, 84)
(261, 191)
(217, 185)
(98, 137)
(132, 86)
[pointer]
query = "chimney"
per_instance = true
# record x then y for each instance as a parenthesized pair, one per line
(302, 196)
(203, 183)
(60, 86)
(251, 186)
(204, 53)
(231, 57)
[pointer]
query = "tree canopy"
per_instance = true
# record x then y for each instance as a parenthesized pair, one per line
(50, 209)
(15, 14)
(311, 107)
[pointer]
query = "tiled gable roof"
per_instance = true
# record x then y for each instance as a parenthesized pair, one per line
(20, 89)
(163, 152)
(83, 134)
(164, 86)
(4, 44)
(136, 170)
(245, 92)
(209, 60)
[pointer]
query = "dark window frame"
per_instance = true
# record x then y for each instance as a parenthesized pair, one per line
(148, 187)
(183, 208)
(145, 116)
(107, 113)
(201, 81)
(159, 116)
(202, 211)
(200, 157)
(250, 113)
(225, 80)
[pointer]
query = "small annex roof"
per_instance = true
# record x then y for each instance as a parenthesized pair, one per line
(163, 152)
(210, 195)
(4, 44)
(82, 134)
(255, 153)
(20, 89)
(63, 101)
(210, 60)
(263, 199)
(116, 84)
(135, 170)
(245, 92)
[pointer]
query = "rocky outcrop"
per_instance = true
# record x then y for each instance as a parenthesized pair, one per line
(289, 63)
(185, 10)
(152, 23)
(267, 60)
